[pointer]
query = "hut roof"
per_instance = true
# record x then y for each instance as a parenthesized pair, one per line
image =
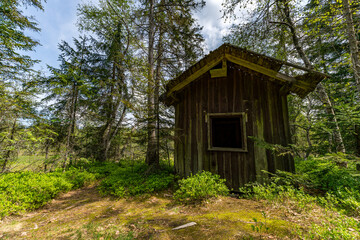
(301, 84)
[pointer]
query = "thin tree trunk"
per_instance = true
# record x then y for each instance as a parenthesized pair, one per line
(354, 50)
(308, 129)
(7, 154)
(73, 124)
(340, 147)
(357, 137)
(111, 134)
(128, 142)
(46, 156)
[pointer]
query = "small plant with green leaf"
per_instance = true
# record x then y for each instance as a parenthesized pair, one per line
(260, 227)
(200, 187)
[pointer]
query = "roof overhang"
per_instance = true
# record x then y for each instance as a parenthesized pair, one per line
(300, 85)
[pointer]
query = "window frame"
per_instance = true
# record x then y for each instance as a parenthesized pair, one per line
(243, 120)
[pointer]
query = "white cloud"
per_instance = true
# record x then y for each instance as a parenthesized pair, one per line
(58, 22)
(214, 26)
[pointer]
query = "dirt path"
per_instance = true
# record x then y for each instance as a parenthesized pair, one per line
(84, 214)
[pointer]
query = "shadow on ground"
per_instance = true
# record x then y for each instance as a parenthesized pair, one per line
(85, 214)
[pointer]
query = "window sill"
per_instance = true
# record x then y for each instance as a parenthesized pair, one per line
(227, 149)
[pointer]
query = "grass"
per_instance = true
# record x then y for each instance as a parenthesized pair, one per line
(34, 163)
(153, 217)
(321, 201)
(321, 187)
(30, 163)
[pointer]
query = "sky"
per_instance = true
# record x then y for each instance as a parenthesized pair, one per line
(58, 23)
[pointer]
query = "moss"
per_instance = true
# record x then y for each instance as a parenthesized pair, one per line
(153, 218)
(244, 220)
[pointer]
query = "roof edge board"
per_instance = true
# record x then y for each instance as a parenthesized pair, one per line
(257, 68)
(195, 75)
(281, 61)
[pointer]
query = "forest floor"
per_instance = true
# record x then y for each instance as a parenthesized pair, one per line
(85, 214)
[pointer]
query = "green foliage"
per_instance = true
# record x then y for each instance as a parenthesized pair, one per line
(131, 179)
(327, 174)
(320, 180)
(101, 169)
(13, 38)
(275, 192)
(341, 228)
(200, 187)
(27, 190)
(340, 185)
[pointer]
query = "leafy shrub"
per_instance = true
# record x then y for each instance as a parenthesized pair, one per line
(325, 173)
(122, 181)
(28, 190)
(340, 184)
(102, 169)
(329, 184)
(339, 228)
(282, 192)
(200, 187)
(279, 193)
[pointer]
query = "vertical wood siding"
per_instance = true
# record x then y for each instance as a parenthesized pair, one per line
(241, 91)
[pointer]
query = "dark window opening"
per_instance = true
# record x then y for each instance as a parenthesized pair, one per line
(227, 132)
(219, 66)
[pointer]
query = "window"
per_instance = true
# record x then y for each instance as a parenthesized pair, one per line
(227, 132)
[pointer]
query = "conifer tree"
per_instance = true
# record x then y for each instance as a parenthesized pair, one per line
(173, 42)
(16, 97)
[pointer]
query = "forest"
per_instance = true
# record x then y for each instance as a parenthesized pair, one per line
(97, 119)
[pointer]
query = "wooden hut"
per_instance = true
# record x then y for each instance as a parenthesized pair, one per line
(227, 101)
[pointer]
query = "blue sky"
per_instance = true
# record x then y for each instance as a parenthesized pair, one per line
(58, 22)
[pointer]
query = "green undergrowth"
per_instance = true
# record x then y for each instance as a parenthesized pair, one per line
(131, 178)
(200, 187)
(22, 191)
(318, 182)
(126, 178)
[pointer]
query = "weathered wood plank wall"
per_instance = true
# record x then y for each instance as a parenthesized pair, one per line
(241, 91)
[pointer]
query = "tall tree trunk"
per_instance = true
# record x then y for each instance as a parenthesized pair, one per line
(71, 127)
(110, 134)
(157, 87)
(112, 125)
(152, 156)
(115, 110)
(354, 49)
(112, 108)
(340, 147)
(8, 152)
